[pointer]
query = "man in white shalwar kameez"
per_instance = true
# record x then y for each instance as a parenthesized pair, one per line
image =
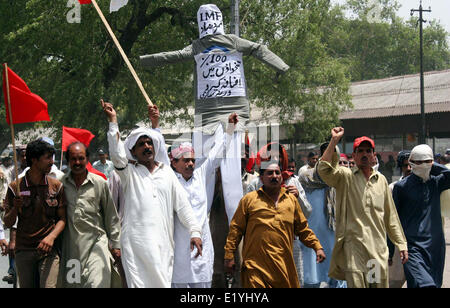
(188, 271)
(153, 198)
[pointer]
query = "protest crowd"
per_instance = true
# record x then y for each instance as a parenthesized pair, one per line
(215, 212)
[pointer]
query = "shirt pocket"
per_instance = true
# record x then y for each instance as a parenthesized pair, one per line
(375, 202)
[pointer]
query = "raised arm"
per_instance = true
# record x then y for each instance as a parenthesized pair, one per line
(336, 135)
(221, 142)
(116, 146)
(327, 168)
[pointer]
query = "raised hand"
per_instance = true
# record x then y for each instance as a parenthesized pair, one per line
(337, 133)
(233, 118)
(108, 109)
(153, 115)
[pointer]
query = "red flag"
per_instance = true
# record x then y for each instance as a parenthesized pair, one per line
(84, 1)
(71, 135)
(95, 171)
(25, 106)
(252, 158)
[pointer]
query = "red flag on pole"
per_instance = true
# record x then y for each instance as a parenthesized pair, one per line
(70, 135)
(95, 171)
(25, 105)
(84, 1)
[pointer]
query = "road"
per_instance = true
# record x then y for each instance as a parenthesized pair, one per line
(446, 284)
(4, 265)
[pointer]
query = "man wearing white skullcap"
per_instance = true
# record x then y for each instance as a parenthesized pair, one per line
(153, 198)
(417, 198)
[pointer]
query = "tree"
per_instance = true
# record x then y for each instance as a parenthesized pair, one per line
(386, 47)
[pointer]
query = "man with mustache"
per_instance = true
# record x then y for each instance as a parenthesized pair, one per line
(269, 218)
(365, 215)
(190, 271)
(92, 224)
(276, 152)
(41, 214)
(153, 198)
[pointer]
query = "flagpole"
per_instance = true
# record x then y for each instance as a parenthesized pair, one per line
(61, 161)
(11, 125)
(124, 56)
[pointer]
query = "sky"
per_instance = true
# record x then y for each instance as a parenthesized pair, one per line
(440, 10)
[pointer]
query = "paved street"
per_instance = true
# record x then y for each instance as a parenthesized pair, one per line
(4, 265)
(4, 261)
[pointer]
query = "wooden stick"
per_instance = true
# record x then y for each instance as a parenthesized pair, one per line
(60, 164)
(11, 125)
(124, 56)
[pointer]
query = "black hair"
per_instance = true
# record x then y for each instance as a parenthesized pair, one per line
(312, 154)
(36, 149)
(291, 160)
(323, 147)
(402, 156)
(67, 156)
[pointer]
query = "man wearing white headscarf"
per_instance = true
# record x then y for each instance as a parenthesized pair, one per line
(418, 205)
(153, 198)
(220, 89)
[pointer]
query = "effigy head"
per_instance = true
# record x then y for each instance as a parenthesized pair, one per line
(210, 20)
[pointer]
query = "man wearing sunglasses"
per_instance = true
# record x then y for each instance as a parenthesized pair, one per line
(417, 198)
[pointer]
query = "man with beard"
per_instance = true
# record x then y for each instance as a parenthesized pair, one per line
(92, 224)
(365, 215)
(417, 198)
(269, 218)
(38, 205)
(153, 196)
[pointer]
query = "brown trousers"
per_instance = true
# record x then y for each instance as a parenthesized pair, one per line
(35, 270)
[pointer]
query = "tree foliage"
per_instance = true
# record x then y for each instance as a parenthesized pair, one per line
(374, 49)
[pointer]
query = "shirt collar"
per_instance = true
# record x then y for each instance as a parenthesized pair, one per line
(89, 178)
(43, 182)
(180, 176)
(356, 170)
(283, 192)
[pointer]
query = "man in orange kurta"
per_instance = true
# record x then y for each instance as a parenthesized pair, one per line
(269, 218)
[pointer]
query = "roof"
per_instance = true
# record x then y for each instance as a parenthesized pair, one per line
(399, 96)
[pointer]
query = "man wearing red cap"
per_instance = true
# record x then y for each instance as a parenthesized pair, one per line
(365, 215)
